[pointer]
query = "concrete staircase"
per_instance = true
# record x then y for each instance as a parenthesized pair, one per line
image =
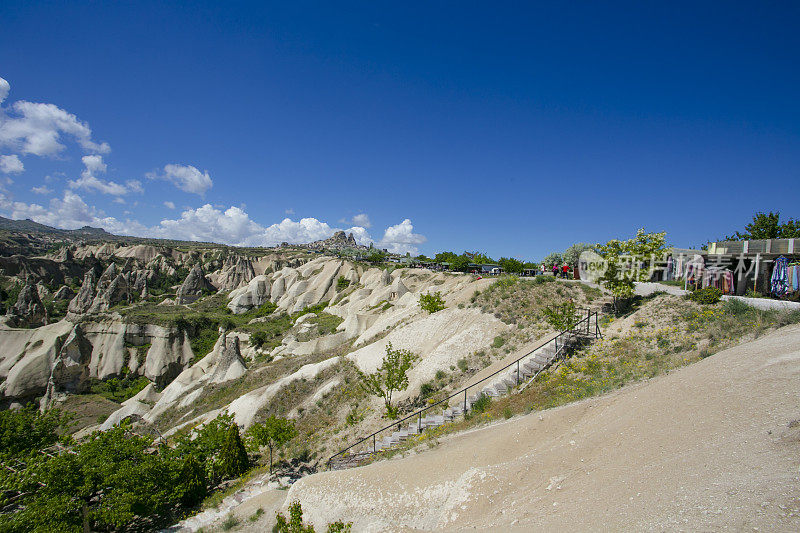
(500, 385)
(513, 378)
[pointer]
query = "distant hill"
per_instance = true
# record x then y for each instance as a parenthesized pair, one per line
(30, 226)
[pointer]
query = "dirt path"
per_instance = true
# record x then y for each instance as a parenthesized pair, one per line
(711, 446)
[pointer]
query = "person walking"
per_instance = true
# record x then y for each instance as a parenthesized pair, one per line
(564, 270)
(555, 270)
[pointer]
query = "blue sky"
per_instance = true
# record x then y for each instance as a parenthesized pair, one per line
(511, 128)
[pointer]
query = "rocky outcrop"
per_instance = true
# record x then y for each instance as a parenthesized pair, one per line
(230, 364)
(194, 286)
(27, 357)
(118, 291)
(29, 311)
(255, 294)
(83, 301)
(39, 269)
(71, 368)
(235, 272)
(62, 357)
(64, 293)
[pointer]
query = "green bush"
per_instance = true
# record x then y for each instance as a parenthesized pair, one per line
(431, 302)
(482, 404)
(342, 283)
(295, 522)
(709, 295)
(498, 342)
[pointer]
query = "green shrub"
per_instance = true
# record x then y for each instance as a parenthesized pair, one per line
(498, 342)
(482, 404)
(342, 283)
(463, 365)
(709, 295)
(428, 388)
(431, 302)
(295, 522)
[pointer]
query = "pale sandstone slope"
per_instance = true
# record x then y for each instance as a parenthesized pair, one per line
(705, 447)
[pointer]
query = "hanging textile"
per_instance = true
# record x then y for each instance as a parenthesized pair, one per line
(728, 283)
(779, 283)
(668, 274)
(796, 278)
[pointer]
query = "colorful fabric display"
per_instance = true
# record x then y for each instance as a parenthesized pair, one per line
(779, 283)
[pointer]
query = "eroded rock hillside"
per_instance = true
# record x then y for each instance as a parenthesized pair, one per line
(174, 337)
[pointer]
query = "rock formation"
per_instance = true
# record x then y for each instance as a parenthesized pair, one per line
(194, 286)
(71, 368)
(64, 293)
(230, 364)
(29, 311)
(83, 301)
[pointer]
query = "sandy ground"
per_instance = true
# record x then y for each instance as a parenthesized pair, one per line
(712, 446)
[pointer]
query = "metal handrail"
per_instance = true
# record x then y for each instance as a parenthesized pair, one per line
(559, 349)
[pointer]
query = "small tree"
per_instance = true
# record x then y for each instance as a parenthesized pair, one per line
(630, 261)
(391, 376)
(561, 317)
(232, 458)
(572, 254)
(432, 302)
(274, 433)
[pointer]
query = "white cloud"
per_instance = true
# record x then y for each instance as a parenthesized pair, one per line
(303, 231)
(37, 128)
(185, 177)
(89, 181)
(361, 220)
(207, 223)
(5, 87)
(169, 205)
(44, 189)
(401, 238)
(289, 211)
(10, 164)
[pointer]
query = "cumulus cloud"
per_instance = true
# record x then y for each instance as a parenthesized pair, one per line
(303, 231)
(361, 220)
(10, 164)
(289, 211)
(90, 181)
(169, 205)
(401, 238)
(39, 129)
(207, 223)
(185, 177)
(44, 189)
